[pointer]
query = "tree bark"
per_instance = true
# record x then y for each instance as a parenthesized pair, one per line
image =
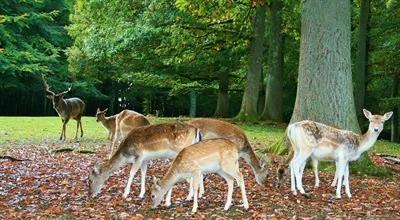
(362, 57)
(248, 111)
(222, 109)
(273, 91)
(193, 103)
(395, 136)
(325, 90)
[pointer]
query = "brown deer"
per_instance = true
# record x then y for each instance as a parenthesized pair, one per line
(325, 143)
(108, 122)
(212, 128)
(210, 156)
(141, 145)
(66, 108)
(125, 121)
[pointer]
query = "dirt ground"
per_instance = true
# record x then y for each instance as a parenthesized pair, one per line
(56, 186)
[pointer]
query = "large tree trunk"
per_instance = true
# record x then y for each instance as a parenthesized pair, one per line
(395, 136)
(325, 90)
(362, 57)
(248, 111)
(273, 91)
(222, 109)
(193, 103)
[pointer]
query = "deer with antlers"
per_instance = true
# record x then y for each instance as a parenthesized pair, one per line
(66, 108)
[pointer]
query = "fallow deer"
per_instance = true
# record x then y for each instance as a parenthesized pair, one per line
(125, 121)
(216, 155)
(324, 143)
(66, 108)
(108, 122)
(141, 145)
(212, 128)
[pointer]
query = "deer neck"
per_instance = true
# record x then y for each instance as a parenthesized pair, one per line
(367, 141)
(169, 180)
(61, 108)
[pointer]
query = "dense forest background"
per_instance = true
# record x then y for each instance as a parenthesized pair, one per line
(199, 58)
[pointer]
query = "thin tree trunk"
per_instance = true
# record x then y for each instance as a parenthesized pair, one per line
(362, 57)
(248, 111)
(273, 91)
(222, 109)
(193, 103)
(325, 90)
(395, 136)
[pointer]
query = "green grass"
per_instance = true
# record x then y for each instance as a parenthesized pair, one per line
(37, 130)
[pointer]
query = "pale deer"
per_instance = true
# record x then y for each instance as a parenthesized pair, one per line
(141, 145)
(212, 128)
(66, 108)
(209, 156)
(324, 143)
(125, 121)
(108, 122)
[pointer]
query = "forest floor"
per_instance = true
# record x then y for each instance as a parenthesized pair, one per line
(53, 184)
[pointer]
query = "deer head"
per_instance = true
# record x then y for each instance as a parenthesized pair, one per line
(100, 114)
(96, 181)
(156, 194)
(376, 121)
(56, 98)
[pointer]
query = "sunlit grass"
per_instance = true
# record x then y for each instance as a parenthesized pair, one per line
(37, 130)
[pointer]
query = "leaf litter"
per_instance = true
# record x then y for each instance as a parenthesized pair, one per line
(53, 185)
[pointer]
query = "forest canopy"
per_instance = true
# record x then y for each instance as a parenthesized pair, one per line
(200, 58)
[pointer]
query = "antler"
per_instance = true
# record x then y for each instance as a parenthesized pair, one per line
(66, 91)
(46, 86)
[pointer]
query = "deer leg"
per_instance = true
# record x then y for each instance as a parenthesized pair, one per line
(135, 167)
(63, 135)
(300, 159)
(62, 129)
(77, 128)
(143, 170)
(196, 180)
(239, 179)
(229, 180)
(333, 184)
(114, 142)
(341, 170)
(190, 195)
(315, 169)
(201, 187)
(80, 123)
(292, 178)
(346, 181)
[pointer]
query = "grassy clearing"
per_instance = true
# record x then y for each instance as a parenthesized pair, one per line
(38, 130)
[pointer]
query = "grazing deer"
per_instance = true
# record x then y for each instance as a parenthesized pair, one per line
(108, 122)
(141, 145)
(66, 108)
(125, 121)
(324, 143)
(216, 155)
(212, 128)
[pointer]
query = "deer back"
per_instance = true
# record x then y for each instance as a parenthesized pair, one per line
(212, 128)
(160, 137)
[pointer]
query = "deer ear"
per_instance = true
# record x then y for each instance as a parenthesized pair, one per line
(98, 110)
(96, 169)
(105, 110)
(49, 96)
(367, 113)
(387, 115)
